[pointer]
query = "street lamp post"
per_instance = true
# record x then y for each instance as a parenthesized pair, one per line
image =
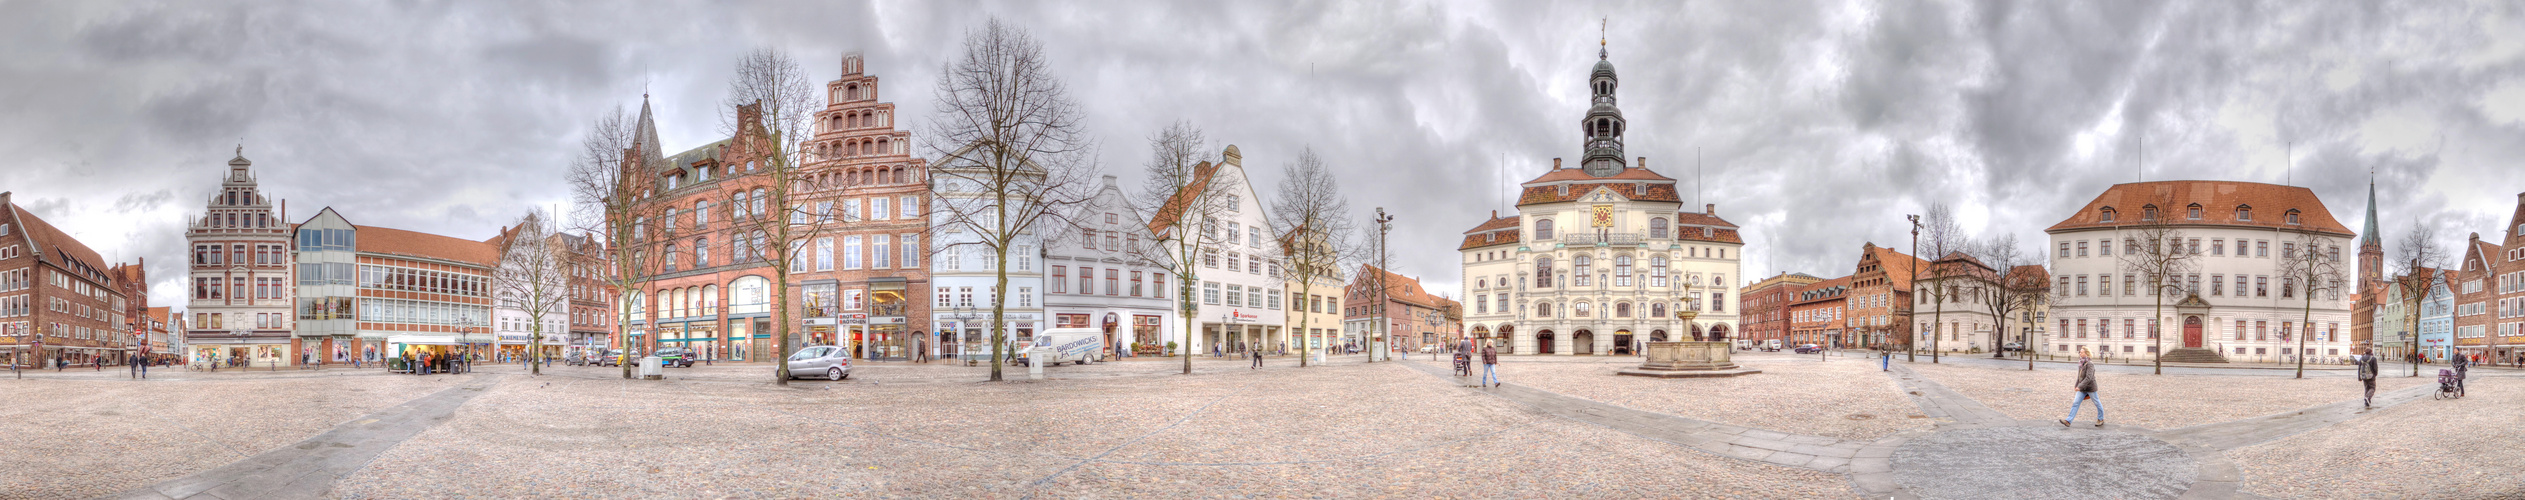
(1911, 353)
(1383, 224)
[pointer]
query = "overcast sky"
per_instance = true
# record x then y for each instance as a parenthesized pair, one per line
(1819, 124)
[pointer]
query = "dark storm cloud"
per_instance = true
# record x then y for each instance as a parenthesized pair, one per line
(1815, 124)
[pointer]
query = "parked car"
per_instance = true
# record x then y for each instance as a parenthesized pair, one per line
(676, 357)
(1809, 349)
(575, 358)
(604, 357)
(2012, 347)
(831, 362)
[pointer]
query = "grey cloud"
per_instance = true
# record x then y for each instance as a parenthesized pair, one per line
(1821, 123)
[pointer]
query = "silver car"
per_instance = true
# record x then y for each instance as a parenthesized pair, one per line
(830, 361)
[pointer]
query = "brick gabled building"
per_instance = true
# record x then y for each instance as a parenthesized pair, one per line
(858, 215)
(1880, 296)
(2475, 296)
(592, 313)
(1766, 306)
(1412, 314)
(2507, 341)
(53, 286)
(1820, 313)
(242, 285)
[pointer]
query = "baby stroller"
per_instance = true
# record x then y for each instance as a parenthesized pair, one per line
(1463, 364)
(2448, 385)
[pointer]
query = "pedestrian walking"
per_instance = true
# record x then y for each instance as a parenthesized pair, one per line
(1257, 360)
(2366, 375)
(2086, 391)
(1490, 366)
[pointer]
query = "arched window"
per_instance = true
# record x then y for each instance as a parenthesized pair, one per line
(1657, 310)
(709, 300)
(758, 200)
(2105, 215)
(701, 214)
(1543, 309)
(1543, 229)
(1581, 310)
(2148, 213)
(751, 294)
(881, 146)
(2292, 216)
(701, 253)
(1657, 227)
(2244, 213)
(2194, 211)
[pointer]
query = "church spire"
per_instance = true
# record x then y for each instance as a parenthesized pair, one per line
(645, 137)
(2370, 236)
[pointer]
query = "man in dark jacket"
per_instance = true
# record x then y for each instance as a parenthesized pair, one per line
(2086, 391)
(1490, 366)
(2366, 375)
(2460, 365)
(1257, 354)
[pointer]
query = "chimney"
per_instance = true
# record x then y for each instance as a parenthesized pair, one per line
(1556, 164)
(1643, 163)
(1709, 209)
(1494, 213)
(1109, 182)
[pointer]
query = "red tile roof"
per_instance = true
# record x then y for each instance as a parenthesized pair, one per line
(1175, 205)
(51, 244)
(1403, 288)
(1632, 189)
(1496, 231)
(391, 241)
(2218, 201)
(1701, 219)
(1798, 296)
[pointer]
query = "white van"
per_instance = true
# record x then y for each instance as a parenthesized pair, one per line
(1071, 345)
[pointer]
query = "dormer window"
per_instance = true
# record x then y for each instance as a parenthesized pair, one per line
(2292, 216)
(701, 174)
(2148, 213)
(2195, 211)
(2244, 213)
(2106, 214)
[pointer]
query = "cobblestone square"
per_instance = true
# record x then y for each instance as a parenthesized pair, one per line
(1562, 427)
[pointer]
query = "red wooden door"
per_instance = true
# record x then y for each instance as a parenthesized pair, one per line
(2192, 332)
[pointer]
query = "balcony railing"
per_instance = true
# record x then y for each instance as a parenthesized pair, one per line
(1604, 238)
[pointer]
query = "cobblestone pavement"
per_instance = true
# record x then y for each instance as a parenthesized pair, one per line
(2151, 401)
(1350, 429)
(1342, 431)
(1843, 398)
(84, 437)
(2462, 448)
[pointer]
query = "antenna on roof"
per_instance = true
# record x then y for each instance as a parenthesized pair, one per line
(2288, 167)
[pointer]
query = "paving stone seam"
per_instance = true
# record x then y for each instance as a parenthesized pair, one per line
(223, 481)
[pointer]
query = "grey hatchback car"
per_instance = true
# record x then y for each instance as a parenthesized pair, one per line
(830, 361)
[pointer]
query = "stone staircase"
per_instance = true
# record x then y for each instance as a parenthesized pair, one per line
(2193, 355)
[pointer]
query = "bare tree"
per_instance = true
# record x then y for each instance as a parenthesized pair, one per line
(2032, 288)
(1314, 220)
(1944, 235)
(533, 277)
(1182, 190)
(769, 106)
(1999, 294)
(1011, 152)
(2314, 272)
(2413, 275)
(610, 191)
(2153, 248)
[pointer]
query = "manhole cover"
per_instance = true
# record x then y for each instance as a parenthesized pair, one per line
(1860, 416)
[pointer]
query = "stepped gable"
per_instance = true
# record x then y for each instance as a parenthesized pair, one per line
(2218, 200)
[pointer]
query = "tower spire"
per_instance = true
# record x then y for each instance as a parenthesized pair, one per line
(1603, 26)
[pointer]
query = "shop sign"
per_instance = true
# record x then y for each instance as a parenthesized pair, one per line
(1240, 316)
(886, 320)
(851, 318)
